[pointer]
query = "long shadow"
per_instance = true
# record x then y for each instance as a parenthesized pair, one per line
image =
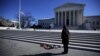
(44, 54)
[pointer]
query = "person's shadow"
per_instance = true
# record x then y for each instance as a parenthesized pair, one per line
(44, 54)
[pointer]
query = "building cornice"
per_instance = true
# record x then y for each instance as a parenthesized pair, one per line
(69, 5)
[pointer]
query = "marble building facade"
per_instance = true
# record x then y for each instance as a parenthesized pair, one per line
(71, 15)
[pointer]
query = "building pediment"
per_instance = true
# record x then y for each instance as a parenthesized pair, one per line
(69, 6)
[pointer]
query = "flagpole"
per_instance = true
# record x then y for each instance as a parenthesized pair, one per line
(19, 14)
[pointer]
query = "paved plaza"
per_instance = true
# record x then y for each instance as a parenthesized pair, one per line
(26, 43)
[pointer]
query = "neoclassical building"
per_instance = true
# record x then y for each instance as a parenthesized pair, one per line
(70, 14)
(92, 22)
(46, 23)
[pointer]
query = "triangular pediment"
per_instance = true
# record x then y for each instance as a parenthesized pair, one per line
(69, 5)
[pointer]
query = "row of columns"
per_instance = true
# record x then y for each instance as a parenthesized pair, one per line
(68, 18)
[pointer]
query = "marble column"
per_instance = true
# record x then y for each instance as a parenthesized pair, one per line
(69, 18)
(61, 18)
(77, 17)
(58, 18)
(80, 17)
(74, 18)
(65, 17)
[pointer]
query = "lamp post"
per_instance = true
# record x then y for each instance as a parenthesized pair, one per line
(19, 14)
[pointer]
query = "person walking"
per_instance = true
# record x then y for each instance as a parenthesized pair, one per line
(65, 39)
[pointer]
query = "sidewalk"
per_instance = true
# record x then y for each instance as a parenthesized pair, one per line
(18, 48)
(56, 30)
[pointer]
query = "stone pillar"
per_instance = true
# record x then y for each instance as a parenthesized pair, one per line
(65, 17)
(74, 18)
(58, 18)
(69, 18)
(80, 17)
(55, 19)
(61, 18)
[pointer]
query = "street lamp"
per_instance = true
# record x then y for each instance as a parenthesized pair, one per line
(19, 14)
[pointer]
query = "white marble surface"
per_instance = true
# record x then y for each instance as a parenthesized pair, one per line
(17, 48)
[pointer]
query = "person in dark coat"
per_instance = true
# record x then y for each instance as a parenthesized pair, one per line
(65, 39)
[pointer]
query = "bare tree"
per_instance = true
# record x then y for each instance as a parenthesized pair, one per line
(25, 20)
(5, 22)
